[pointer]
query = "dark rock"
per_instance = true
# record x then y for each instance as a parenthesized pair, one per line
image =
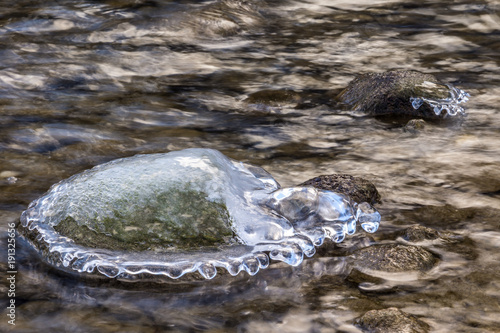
(394, 258)
(418, 233)
(391, 320)
(358, 189)
(392, 93)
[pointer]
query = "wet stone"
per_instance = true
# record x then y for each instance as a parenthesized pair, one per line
(357, 188)
(391, 320)
(403, 93)
(415, 126)
(418, 233)
(394, 258)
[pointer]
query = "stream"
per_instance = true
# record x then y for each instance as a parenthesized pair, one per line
(84, 82)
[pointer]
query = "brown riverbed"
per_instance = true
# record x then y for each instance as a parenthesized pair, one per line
(85, 82)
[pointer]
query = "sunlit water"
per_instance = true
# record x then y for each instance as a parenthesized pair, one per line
(82, 83)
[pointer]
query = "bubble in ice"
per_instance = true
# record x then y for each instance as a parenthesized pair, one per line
(450, 105)
(193, 210)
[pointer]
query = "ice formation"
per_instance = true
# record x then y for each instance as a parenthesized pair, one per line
(182, 212)
(451, 104)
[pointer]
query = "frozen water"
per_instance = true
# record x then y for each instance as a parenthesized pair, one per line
(451, 104)
(181, 212)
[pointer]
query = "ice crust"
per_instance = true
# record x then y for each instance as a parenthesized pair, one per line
(450, 105)
(267, 221)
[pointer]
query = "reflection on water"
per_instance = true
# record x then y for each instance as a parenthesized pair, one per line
(85, 82)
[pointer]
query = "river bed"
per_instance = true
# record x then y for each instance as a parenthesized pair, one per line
(86, 82)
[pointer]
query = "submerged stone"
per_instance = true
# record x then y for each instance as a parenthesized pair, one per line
(394, 258)
(403, 93)
(415, 126)
(186, 211)
(418, 233)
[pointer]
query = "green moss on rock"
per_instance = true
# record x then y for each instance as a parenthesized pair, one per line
(177, 218)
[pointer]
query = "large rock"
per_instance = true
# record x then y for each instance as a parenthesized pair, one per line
(181, 212)
(403, 93)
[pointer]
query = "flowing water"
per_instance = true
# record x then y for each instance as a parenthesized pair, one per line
(85, 82)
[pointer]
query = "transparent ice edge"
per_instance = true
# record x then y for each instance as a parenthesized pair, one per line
(63, 252)
(270, 222)
(451, 105)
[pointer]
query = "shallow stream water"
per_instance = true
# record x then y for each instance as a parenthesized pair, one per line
(85, 82)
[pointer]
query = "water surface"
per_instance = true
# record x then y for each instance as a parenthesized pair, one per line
(85, 82)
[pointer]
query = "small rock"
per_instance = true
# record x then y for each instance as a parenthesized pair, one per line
(414, 126)
(394, 258)
(358, 189)
(403, 93)
(391, 320)
(418, 233)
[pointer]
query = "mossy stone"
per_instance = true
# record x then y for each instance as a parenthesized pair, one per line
(174, 219)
